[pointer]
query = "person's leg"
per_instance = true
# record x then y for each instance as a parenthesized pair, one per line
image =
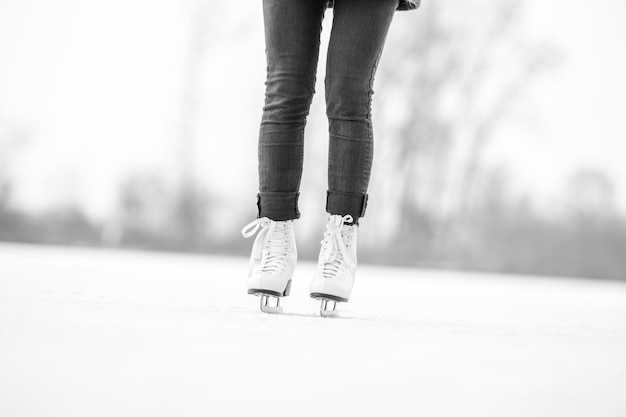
(358, 35)
(356, 43)
(292, 37)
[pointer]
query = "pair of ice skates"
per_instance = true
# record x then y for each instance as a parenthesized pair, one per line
(274, 256)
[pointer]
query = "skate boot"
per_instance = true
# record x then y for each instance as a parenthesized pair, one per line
(272, 262)
(334, 278)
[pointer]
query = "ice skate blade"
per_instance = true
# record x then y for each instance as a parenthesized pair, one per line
(329, 313)
(325, 307)
(266, 307)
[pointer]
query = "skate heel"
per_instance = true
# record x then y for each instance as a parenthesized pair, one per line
(267, 295)
(287, 289)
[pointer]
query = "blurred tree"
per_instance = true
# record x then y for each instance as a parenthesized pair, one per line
(187, 211)
(207, 30)
(453, 79)
(154, 213)
(590, 193)
(145, 203)
(13, 139)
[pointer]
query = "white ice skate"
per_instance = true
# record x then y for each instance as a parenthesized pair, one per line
(272, 262)
(336, 266)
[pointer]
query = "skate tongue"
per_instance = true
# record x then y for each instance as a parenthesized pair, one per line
(275, 256)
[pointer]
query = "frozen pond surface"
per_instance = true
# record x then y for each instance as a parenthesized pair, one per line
(110, 333)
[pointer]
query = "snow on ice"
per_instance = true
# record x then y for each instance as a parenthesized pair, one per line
(94, 333)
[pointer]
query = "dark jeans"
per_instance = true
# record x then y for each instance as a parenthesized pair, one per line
(292, 37)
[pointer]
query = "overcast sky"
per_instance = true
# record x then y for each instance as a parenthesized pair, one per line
(92, 80)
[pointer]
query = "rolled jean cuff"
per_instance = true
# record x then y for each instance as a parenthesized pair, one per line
(278, 206)
(342, 203)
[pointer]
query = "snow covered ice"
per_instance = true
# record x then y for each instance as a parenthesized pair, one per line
(110, 333)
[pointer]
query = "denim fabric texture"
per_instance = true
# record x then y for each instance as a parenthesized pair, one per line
(292, 37)
(404, 4)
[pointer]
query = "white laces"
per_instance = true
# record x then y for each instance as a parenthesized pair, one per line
(271, 246)
(334, 249)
